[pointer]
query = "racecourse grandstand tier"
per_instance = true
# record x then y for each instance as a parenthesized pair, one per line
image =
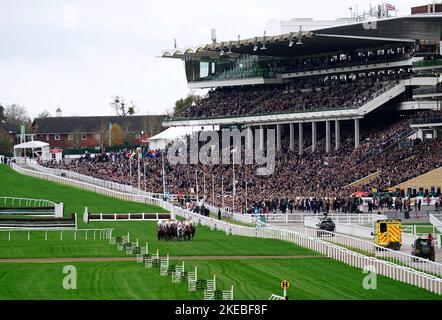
(335, 73)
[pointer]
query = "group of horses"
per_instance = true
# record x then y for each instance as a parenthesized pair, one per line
(176, 230)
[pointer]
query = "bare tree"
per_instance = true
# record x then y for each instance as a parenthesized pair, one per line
(44, 114)
(153, 125)
(17, 115)
(120, 107)
(77, 138)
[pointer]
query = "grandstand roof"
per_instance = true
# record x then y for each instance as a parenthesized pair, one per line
(344, 37)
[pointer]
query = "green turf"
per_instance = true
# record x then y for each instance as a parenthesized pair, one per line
(206, 242)
(13, 184)
(253, 280)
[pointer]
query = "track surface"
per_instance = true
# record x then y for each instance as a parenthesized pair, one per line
(117, 259)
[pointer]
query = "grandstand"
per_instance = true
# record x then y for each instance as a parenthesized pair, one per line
(354, 107)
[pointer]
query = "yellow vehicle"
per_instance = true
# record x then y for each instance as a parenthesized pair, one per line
(388, 234)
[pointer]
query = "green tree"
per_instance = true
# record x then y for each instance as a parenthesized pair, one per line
(2, 112)
(181, 104)
(5, 141)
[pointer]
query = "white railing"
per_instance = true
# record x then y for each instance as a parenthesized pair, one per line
(372, 249)
(303, 239)
(436, 222)
(78, 234)
(26, 202)
(89, 187)
(91, 180)
(126, 216)
(356, 230)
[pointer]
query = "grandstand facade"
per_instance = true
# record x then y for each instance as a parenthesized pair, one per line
(329, 75)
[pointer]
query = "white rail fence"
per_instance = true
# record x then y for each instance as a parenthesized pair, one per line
(372, 249)
(13, 206)
(89, 187)
(386, 268)
(357, 230)
(77, 234)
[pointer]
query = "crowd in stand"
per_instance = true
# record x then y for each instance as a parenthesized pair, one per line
(348, 59)
(324, 178)
(298, 95)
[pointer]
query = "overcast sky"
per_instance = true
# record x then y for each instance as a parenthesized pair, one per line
(78, 54)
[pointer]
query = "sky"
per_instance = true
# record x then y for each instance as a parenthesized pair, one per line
(79, 54)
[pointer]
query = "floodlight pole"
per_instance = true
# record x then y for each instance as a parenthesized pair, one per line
(144, 172)
(204, 183)
(234, 184)
(164, 175)
(246, 198)
(197, 189)
(222, 190)
(139, 171)
(213, 189)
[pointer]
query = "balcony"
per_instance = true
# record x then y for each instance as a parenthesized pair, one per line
(428, 93)
(427, 65)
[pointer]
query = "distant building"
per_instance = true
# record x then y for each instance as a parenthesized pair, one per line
(93, 132)
(309, 24)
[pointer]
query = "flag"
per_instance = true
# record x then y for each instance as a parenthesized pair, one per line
(390, 7)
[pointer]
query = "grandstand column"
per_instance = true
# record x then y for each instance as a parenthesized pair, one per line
(249, 138)
(327, 136)
(337, 134)
(357, 134)
(301, 139)
(292, 136)
(278, 137)
(314, 136)
(261, 137)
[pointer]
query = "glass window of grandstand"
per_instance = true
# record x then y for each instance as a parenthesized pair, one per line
(70, 137)
(47, 137)
(56, 137)
(421, 191)
(227, 68)
(83, 136)
(97, 137)
(438, 193)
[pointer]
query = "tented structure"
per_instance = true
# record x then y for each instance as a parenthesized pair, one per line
(161, 140)
(32, 150)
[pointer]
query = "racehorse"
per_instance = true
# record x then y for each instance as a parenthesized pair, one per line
(175, 230)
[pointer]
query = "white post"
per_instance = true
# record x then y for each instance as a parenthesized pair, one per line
(292, 136)
(327, 136)
(147, 247)
(357, 134)
(314, 136)
(164, 175)
(278, 137)
(337, 134)
(301, 139)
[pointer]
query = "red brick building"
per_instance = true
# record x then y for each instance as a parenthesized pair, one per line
(93, 132)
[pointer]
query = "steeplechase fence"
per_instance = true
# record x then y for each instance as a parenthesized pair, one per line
(55, 234)
(13, 206)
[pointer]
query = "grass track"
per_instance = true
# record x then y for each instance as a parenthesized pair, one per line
(253, 279)
(13, 184)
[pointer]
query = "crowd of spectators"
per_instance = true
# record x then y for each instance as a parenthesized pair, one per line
(322, 178)
(296, 96)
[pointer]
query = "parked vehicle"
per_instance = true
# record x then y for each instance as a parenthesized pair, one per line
(423, 248)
